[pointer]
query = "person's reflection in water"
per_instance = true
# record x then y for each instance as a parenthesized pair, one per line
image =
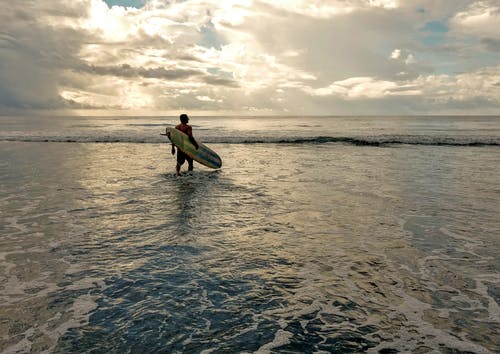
(186, 199)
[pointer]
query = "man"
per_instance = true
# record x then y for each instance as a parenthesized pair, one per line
(182, 157)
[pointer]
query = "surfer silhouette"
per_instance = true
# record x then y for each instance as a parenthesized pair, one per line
(181, 156)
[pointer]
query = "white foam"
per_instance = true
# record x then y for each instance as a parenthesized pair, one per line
(13, 223)
(86, 283)
(434, 337)
(81, 308)
(281, 338)
(469, 243)
(23, 346)
(208, 351)
(482, 289)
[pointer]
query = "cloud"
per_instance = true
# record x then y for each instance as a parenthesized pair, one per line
(493, 44)
(481, 85)
(396, 53)
(293, 56)
(405, 56)
(31, 54)
(364, 87)
(126, 70)
(328, 9)
(479, 20)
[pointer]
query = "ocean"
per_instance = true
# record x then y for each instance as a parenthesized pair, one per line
(317, 235)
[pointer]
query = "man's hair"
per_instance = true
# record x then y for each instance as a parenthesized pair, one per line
(184, 118)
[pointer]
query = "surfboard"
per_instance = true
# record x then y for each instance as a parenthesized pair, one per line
(203, 155)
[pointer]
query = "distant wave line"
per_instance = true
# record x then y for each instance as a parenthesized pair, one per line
(358, 141)
(383, 141)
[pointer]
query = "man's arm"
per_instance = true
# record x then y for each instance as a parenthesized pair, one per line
(167, 133)
(191, 138)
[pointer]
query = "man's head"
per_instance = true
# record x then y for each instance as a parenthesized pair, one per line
(184, 118)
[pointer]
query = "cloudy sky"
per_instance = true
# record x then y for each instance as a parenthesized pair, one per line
(250, 57)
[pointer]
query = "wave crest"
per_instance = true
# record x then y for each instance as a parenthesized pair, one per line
(384, 140)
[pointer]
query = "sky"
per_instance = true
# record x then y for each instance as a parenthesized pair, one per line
(262, 57)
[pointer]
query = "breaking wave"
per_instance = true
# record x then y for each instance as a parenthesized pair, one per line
(381, 140)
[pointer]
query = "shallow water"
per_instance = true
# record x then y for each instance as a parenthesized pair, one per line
(288, 248)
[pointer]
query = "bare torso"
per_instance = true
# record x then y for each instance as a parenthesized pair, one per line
(185, 128)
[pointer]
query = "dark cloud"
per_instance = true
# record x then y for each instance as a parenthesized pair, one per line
(187, 57)
(219, 81)
(34, 55)
(492, 44)
(128, 71)
(31, 57)
(125, 70)
(72, 104)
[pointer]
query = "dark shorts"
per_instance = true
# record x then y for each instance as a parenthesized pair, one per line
(182, 157)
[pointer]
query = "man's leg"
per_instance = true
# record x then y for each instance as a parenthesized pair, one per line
(180, 160)
(190, 163)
